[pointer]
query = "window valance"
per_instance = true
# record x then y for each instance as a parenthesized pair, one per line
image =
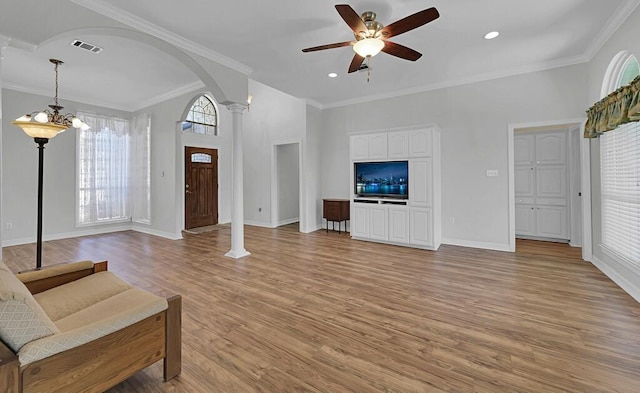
(620, 107)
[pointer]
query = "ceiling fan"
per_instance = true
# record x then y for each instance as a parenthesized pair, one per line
(372, 36)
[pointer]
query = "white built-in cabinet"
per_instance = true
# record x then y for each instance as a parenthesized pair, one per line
(541, 179)
(369, 147)
(413, 222)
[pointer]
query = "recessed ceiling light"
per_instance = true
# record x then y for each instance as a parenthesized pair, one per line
(491, 35)
(332, 75)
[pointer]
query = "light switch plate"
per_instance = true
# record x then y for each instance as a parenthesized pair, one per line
(492, 173)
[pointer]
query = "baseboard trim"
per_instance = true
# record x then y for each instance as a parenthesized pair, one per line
(258, 224)
(289, 221)
(155, 232)
(481, 245)
(617, 278)
(311, 229)
(67, 235)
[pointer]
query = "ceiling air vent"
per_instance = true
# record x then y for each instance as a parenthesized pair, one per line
(86, 46)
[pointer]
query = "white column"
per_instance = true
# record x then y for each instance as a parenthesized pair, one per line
(237, 194)
(4, 42)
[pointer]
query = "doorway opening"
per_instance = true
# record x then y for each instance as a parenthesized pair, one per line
(201, 187)
(285, 197)
(547, 175)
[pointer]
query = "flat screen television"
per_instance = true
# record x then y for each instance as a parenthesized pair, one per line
(387, 179)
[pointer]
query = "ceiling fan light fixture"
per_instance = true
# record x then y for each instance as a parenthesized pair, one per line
(368, 47)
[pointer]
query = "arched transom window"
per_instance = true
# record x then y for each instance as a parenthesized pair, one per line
(630, 71)
(202, 118)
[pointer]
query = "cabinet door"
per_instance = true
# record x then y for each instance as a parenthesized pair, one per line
(523, 149)
(360, 221)
(421, 227)
(524, 179)
(420, 144)
(398, 144)
(551, 148)
(399, 224)
(420, 182)
(378, 222)
(551, 181)
(378, 146)
(551, 222)
(359, 147)
(525, 220)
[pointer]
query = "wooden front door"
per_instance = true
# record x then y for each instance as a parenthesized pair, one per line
(201, 187)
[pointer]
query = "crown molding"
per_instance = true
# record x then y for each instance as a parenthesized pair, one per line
(77, 99)
(314, 103)
(191, 87)
(22, 45)
(464, 81)
(138, 23)
(610, 27)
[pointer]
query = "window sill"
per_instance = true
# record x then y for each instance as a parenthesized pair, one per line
(624, 261)
(103, 223)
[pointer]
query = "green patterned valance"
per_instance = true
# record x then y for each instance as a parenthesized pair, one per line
(620, 107)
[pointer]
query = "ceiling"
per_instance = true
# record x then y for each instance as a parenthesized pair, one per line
(264, 40)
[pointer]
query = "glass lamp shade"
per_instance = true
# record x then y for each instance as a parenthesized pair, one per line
(40, 130)
(368, 47)
(41, 117)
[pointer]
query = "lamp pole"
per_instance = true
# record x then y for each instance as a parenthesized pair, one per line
(41, 142)
(42, 126)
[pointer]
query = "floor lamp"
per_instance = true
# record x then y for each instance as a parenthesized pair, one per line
(42, 126)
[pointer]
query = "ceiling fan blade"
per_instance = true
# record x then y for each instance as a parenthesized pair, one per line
(329, 46)
(356, 63)
(401, 51)
(351, 17)
(410, 22)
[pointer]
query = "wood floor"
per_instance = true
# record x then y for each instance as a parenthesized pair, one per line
(322, 313)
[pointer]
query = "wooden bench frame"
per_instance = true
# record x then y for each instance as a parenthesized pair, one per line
(102, 363)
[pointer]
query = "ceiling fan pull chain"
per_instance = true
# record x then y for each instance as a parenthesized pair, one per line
(368, 74)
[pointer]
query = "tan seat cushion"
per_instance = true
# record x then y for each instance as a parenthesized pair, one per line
(22, 320)
(129, 305)
(93, 322)
(62, 301)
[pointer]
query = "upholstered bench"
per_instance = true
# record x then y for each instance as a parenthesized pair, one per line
(79, 328)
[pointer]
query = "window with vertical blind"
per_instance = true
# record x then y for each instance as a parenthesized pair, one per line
(103, 170)
(620, 169)
(620, 182)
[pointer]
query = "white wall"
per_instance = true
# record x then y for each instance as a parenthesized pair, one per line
(167, 163)
(474, 120)
(274, 118)
(288, 183)
(625, 38)
(20, 160)
(311, 170)
(20, 174)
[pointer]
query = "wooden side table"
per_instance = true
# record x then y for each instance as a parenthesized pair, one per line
(336, 210)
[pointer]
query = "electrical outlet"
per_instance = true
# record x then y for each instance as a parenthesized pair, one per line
(259, 210)
(452, 220)
(9, 225)
(492, 173)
